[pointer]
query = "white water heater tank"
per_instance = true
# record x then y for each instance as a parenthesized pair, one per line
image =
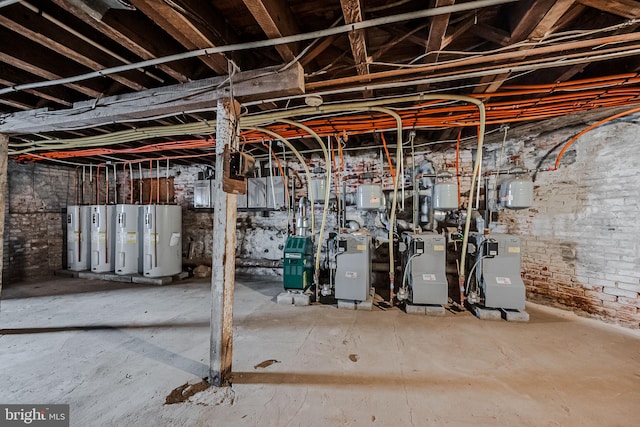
(127, 239)
(102, 238)
(516, 192)
(369, 197)
(162, 240)
(445, 196)
(78, 237)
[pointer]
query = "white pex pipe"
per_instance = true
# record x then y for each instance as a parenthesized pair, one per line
(326, 194)
(304, 165)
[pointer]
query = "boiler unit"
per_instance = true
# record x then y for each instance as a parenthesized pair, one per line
(496, 270)
(127, 239)
(103, 235)
(78, 237)
(353, 266)
(162, 240)
(424, 265)
(298, 264)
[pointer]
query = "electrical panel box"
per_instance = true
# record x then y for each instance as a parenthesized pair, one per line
(262, 195)
(353, 266)
(427, 275)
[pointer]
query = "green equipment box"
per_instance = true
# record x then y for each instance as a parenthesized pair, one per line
(297, 263)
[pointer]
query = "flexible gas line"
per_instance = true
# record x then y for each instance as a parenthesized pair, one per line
(300, 158)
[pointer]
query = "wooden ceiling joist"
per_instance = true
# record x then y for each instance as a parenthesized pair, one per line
(192, 35)
(535, 22)
(276, 20)
(134, 34)
(40, 30)
(352, 11)
(629, 9)
(437, 30)
(28, 56)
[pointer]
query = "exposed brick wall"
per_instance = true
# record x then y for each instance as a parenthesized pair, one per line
(580, 239)
(34, 236)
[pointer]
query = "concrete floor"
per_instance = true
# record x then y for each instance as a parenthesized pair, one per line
(115, 351)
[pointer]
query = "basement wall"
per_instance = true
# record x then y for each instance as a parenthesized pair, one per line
(34, 239)
(580, 239)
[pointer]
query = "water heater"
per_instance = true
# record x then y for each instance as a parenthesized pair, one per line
(102, 238)
(127, 239)
(162, 240)
(78, 237)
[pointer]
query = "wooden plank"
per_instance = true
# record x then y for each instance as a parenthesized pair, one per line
(553, 16)
(531, 15)
(629, 9)
(276, 20)
(4, 150)
(492, 34)
(224, 250)
(42, 31)
(317, 50)
(437, 30)
(535, 22)
(24, 54)
(188, 33)
(394, 41)
(133, 33)
(494, 58)
(353, 13)
(247, 86)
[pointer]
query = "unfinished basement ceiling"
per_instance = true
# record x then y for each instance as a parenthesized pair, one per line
(528, 60)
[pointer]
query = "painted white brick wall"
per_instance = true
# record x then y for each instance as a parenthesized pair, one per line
(580, 238)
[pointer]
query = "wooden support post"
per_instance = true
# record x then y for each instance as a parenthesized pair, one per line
(224, 250)
(4, 148)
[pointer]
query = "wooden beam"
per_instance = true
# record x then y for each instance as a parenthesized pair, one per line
(394, 41)
(187, 32)
(247, 86)
(37, 28)
(508, 57)
(276, 20)
(134, 34)
(536, 22)
(629, 9)
(492, 34)
(353, 13)
(4, 150)
(224, 250)
(437, 30)
(317, 50)
(551, 18)
(531, 14)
